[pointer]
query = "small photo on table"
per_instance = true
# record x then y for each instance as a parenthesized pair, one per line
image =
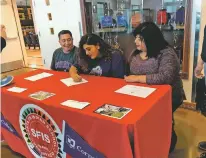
(41, 95)
(113, 111)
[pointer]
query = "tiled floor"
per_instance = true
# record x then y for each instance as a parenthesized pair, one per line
(190, 127)
(6, 152)
(33, 53)
(34, 58)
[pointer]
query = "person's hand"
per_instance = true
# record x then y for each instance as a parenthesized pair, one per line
(3, 32)
(131, 78)
(76, 78)
(198, 71)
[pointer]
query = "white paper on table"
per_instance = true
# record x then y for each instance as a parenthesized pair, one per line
(75, 104)
(70, 82)
(137, 91)
(39, 76)
(17, 89)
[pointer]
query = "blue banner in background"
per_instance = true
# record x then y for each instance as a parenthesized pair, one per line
(75, 146)
(121, 21)
(106, 21)
(8, 126)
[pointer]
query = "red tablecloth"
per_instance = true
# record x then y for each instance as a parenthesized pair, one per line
(144, 133)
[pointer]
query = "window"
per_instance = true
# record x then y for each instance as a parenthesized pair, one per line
(47, 2)
(49, 16)
(52, 31)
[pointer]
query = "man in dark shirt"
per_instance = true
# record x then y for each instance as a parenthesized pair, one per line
(198, 74)
(65, 56)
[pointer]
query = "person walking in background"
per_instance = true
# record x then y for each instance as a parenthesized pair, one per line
(198, 73)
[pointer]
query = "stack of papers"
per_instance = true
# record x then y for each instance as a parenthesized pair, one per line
(70, 82)
(137, 91)
(17, 89)
(38, 76)
(75, 104)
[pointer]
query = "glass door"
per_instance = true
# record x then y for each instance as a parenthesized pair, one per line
(114, 21)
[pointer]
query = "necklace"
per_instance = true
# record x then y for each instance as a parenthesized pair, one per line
(143, 55)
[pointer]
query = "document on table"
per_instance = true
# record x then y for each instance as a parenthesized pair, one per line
(38, 76)
(137, 91)
(41, 95)
(75, 104)
(113, 111)
(17, 89)
(69, 82)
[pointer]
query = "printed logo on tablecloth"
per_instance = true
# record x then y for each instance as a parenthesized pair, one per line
(42, 135)
(76, 146)
(8, 126)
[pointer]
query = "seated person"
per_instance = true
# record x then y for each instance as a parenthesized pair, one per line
(155, 62)
(96, 57)
(65, 56)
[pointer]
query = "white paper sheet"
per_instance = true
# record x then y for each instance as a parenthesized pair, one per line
(38, 76)
(75, 104)
(17, 89)
(137, 91)
(70, 82)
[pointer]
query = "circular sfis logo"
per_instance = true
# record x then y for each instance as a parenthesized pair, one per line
(42, 135)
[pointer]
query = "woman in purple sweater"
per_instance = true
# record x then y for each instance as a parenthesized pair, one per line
(155, 62)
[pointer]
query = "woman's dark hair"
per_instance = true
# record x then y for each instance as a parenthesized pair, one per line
(152, 37)
(93, 39)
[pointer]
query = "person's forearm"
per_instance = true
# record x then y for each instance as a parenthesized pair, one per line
(200, 62)
(3, 32)
(142, 79)
(73, 71)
